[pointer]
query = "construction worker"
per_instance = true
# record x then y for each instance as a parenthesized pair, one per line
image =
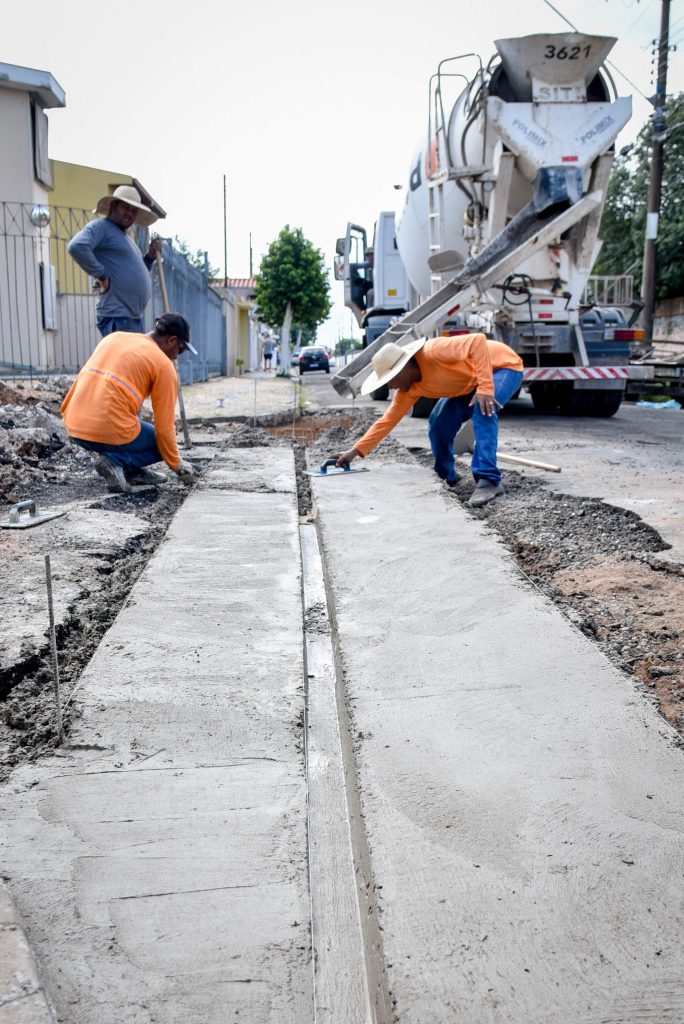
(471, 377)
(104, 250)
(101, 412)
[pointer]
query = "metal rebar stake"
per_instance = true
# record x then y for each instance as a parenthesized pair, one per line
(255, 401)
(53, 651)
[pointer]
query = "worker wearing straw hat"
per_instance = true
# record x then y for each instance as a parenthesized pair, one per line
(105, 250)
(471, 376)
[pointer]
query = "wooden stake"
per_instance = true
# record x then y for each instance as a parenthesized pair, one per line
(528, 462)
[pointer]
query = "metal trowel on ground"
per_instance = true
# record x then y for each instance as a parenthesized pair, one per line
(334, 469)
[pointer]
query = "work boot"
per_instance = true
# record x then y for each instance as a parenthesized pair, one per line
(454, 480)
(485, 491)
(143, 475)
(113, 475)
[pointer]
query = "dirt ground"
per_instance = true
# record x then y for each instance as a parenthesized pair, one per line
(599, 564)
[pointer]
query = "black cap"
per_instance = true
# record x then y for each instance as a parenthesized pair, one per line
(174, 324)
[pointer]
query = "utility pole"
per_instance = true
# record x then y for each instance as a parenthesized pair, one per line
(648, 284)
(251, 265)
(225, 233)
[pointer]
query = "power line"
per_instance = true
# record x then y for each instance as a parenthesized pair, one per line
(639, 16)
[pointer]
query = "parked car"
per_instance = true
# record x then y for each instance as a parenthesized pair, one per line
(294, 361)
(311, 358)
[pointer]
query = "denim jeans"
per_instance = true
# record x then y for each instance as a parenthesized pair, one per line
(108, 324)
(445, 422)
(141, 451)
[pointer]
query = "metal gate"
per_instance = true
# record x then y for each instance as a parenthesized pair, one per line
(47, 309)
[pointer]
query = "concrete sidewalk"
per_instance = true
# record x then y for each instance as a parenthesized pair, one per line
(523, 806)
(517, 805)
(256, 393)
(159, 860)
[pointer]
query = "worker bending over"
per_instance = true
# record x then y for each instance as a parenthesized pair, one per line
(101, 412)
(471, 377)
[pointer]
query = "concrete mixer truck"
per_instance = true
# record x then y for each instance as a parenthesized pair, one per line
(500, 227)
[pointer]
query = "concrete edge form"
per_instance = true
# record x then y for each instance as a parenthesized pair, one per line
(347, 975)
(22, 997)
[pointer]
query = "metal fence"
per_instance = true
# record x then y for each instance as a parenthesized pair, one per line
(608, 290)
(47, 308)
(189, 293)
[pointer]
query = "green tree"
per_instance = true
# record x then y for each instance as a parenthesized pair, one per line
(623, 224)
(292, 289)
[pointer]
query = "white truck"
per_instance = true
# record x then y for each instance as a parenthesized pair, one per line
(500, 228)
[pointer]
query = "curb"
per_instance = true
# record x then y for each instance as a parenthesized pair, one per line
(22, 997)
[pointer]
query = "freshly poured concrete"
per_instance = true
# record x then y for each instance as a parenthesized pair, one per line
(524, 808)
(159, 861)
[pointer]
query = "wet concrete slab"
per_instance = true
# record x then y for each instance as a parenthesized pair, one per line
(523, 805)
(159, 859)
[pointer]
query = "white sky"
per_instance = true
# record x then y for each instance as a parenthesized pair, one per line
(311, 108)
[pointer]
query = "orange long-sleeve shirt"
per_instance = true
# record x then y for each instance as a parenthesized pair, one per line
(104, 401)
(449, 367)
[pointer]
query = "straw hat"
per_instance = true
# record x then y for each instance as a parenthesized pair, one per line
(130, 195)
(388, 362)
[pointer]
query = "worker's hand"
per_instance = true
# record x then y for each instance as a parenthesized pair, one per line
(100, 285)
(155, 248)
(186, 472)
(487, 403)
(344, 458)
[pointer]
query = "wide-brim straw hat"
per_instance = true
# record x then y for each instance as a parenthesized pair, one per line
(130, 195)
(388, 362)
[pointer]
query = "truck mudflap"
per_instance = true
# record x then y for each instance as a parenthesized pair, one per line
(530, 232)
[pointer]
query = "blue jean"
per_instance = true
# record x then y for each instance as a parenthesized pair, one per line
(448, 416)
(141, 451)
(108, 324)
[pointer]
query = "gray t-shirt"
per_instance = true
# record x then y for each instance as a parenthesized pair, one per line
(103, 249)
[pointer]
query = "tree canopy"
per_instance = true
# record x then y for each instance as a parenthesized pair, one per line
(623, 225)
(293, 271)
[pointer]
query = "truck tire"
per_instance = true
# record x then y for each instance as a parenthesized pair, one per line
(545, 397)
(576, 403)
(380, 394)
(423, 407)
(607, 403)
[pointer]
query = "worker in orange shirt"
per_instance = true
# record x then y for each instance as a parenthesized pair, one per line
(471, 376)
(101, 412)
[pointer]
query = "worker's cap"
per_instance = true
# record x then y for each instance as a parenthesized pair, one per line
(130, 195)
(388, 362)
(175, 325)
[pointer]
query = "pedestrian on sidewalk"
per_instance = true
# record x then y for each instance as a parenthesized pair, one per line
(101, 411)
(105, 250)
(268, 348)
(471, 376)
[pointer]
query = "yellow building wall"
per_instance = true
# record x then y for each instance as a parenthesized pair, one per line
(243, 337)
(75, 188)
(81, 187)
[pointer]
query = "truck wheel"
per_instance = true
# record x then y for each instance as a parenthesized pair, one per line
(577, 403)
(423, 407)
(380, 394)
(607, 403)
(545, 397)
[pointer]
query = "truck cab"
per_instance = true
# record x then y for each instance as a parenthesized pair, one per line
(375, 282)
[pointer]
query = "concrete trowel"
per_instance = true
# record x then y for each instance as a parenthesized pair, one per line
(330, 468)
